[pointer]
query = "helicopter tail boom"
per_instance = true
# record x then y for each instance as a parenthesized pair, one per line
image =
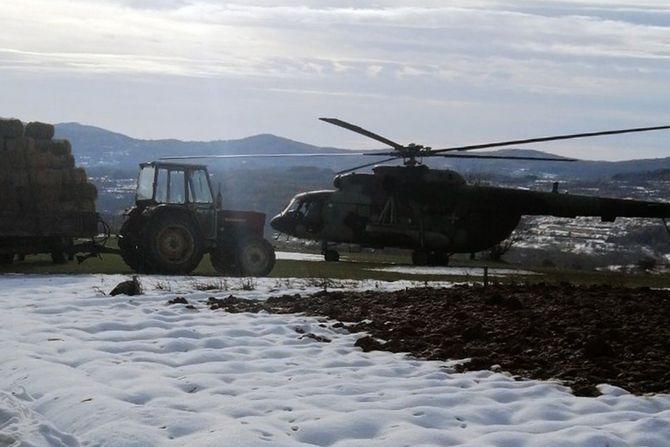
(568, 205)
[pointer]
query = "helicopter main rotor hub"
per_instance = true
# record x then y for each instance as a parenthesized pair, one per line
(411, 152)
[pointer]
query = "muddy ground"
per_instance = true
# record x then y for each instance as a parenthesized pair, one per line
(583, 336)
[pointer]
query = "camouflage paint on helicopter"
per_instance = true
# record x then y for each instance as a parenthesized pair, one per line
(433, 212)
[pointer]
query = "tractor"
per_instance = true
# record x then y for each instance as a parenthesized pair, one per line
(176, 220)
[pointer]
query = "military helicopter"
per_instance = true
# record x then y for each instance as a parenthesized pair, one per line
(435, 212)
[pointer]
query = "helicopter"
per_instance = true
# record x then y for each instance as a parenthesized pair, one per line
(435, 212)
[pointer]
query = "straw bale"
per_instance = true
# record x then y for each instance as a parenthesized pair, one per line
(43, 145)
(47, 177)
(20, 179)
(11, 128)
(45, 207)
(19, 144)
(87, 206)
(14, 160)
(39, 131)
(5, 169)
(33, 159)
(60, 147)
(86, 191)
(64, 161)
(51, 161)
(56, 147)
(71, 206)
(9, 205)
(8, 194)
(74, 176)
(59, 161)
(46, 193)
(38, 160)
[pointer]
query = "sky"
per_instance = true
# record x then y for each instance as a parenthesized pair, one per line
(440, 73)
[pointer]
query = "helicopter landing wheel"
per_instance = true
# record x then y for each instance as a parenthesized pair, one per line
(420, 257)
(331, 256)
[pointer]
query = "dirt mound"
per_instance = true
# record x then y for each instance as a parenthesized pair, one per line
(583, 336)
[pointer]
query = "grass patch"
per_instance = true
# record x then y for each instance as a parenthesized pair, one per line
(358, 266)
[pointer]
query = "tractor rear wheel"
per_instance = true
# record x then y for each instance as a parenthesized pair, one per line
(255, 256)
(173, 244)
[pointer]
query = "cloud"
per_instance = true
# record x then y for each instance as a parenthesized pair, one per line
(590, 56)
(201, 31)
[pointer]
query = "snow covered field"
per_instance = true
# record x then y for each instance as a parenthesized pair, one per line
(79, 368)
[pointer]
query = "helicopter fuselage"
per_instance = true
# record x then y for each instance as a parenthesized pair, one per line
(434, 210)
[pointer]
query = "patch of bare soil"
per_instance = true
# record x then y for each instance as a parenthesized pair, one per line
(583, 336)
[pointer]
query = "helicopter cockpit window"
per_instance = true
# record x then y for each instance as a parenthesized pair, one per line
(294, 206)
(145, 183)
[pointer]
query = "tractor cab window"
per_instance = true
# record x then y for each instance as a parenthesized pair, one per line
(145, 183)
(161, 186)
(177, 187)
(199, 191)
(170, 186)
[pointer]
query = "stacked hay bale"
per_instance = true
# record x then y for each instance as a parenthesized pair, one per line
(38, 174)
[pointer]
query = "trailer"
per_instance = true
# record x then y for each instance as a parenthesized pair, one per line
(46, 201)
(24, 234)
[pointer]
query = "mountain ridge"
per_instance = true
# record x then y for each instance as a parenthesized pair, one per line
(96, 146)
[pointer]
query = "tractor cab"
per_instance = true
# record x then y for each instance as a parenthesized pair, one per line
(174, 183)
(179, 185)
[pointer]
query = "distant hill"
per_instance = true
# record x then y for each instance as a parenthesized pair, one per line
(96, 147)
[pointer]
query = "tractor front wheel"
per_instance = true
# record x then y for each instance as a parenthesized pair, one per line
(255, 256)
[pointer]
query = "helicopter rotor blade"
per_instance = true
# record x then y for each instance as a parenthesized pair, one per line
(316, 154)
(553, 138)
(362, 131)
(499, 157)
(368, 164)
